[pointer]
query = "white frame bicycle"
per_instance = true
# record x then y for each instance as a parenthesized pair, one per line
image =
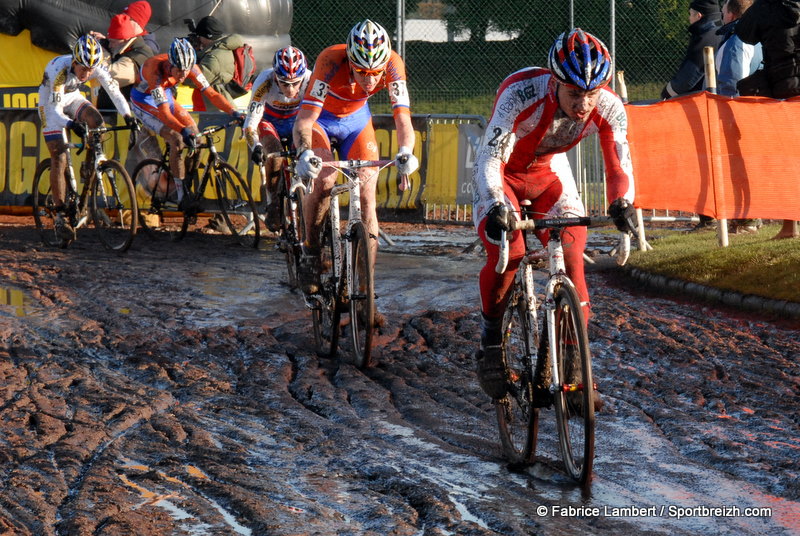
(347, 278)
(555, 354)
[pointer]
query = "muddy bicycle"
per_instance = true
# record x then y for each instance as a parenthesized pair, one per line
(548, 362)
(232, 193)
(107, 196)
(290, 191)
(347, 278)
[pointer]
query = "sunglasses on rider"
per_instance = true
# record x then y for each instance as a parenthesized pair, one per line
(368, 72)
(290, 83)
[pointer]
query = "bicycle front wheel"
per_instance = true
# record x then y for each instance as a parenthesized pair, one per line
(517, 416)
(44, 207)
(362, 297)
(114, 208)
(574, 400)
(293, 233)
(326, 312)
(237, 206)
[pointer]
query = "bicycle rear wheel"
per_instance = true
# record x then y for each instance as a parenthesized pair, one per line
(236, 205)
(362, 297)
(326, 312)
(517, 417)
(44, 208)
(114, 208)
(146, 176)
(574, 400)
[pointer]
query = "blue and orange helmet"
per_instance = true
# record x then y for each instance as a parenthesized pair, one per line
(289, 63)
(579, 59)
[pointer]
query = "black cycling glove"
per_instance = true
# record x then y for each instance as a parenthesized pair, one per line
(189, 138)
(257, 156)
(497, 219)
(623, 214)
(80, 129)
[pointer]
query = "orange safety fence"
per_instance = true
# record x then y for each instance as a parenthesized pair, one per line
(713, 155)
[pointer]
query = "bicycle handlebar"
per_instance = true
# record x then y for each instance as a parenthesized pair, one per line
(356, 164)
(622, 250)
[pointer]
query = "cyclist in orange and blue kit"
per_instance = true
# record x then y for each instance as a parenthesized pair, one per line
(335, 107)
(154, 105)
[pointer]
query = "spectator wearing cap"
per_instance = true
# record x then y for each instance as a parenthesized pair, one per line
(215, 58)
(140, 13)
(127, 52)
(705, 18)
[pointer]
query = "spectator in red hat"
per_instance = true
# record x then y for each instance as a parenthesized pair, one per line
(127, 53)
(140, 13)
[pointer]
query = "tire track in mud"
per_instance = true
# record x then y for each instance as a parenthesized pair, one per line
(261, 436)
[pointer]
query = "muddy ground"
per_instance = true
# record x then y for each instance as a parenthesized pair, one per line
(174, 391)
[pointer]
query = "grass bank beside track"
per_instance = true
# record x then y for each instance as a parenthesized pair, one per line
(751, 264)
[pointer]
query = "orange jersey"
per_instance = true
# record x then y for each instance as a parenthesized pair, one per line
(153, 91)
(333, 89)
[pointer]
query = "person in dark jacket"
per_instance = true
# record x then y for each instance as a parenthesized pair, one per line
(705, 18)
(704, 21)
(776, 25)
(127, 52)
(215, 58)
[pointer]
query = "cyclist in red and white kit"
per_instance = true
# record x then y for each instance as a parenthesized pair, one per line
(539, 114)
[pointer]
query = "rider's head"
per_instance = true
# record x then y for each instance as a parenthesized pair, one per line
(581, 64)
(368, 49)
(86, 55)
(289, 66)
(181, 56)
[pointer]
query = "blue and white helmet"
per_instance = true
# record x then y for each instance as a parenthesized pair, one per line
(579, 59)
(181, 54)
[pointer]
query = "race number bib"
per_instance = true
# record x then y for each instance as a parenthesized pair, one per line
(320, 90)
(159, 97)
(398, 93)
(499, 142)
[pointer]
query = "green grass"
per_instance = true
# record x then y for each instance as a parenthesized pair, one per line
(751, 264)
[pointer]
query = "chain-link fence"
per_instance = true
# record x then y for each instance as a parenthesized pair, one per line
(458, 51)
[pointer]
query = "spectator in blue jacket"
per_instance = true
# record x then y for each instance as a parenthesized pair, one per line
(735, 59)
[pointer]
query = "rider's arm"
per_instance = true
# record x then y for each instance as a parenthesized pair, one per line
(401, 103)
(255, 110)
(496, 147)
(200, 82)
(112, 88)
(303, 128)
(51, 96)
(613, 133)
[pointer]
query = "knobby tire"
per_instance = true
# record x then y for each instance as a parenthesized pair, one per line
(236, 205)
(362, 296)
(575, 417)
(326, 313)
(517, 417)
(114, 207)
(43, 207)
